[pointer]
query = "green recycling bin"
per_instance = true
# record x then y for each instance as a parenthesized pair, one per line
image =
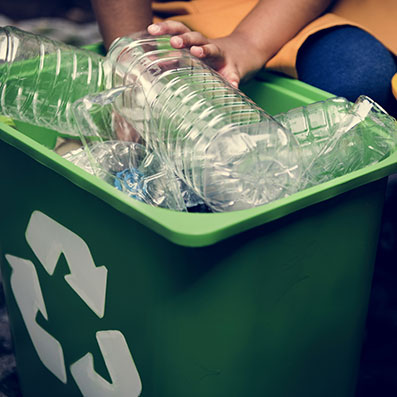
(108, 296)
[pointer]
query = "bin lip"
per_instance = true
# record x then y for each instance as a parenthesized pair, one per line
(195, 229)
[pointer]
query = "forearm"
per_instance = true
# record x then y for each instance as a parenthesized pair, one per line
(272, 23)
(118, 18)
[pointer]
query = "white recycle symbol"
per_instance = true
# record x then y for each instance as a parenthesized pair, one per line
(48, 240)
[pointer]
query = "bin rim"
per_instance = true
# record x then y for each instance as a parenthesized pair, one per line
(195, 229)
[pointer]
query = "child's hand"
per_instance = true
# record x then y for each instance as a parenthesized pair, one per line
(227, 55)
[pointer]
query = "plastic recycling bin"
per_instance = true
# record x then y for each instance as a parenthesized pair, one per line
(108, 296)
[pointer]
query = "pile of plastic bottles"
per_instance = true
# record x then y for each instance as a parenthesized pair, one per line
(166, 129)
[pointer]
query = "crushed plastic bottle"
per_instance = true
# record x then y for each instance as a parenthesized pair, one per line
(364, 136)
(228, 152)
(222, 146)
(338, 137)
(135, 176)
(312, 125)
(320, 130)
(133, 169)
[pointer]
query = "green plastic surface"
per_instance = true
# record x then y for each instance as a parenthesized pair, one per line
(263, 302)
(204, 229)
(45, 136)
(276, 310)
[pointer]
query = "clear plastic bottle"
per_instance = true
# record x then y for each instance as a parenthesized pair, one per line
(313, 125)
(187, 102)
(338, 137)
(365, 135)
(40, 78)
(134, 170)
(227, 149)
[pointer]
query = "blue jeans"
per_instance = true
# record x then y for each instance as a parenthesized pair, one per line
(347, 61)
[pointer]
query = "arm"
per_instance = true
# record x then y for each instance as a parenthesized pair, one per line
(118, 18)
(254, 41)
(274, 22)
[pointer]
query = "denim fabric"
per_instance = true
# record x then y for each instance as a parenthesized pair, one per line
(348, 62)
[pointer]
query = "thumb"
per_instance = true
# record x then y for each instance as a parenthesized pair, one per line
(231, 75)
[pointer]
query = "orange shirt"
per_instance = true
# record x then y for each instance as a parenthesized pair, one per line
(216, 18)
(377, 16)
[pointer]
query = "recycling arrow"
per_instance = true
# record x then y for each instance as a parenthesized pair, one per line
(120, 364)
(49, 239)
(26, 288)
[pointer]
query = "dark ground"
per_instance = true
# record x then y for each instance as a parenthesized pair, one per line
(378, 369)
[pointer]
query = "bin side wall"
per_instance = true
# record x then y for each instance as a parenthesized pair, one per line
(276, 311)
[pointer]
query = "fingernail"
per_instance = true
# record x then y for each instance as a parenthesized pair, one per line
(199, 52)
(177, 41)
(234, 84)
(153, 28)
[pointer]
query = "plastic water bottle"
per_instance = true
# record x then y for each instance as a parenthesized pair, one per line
(41, 78)
(188, 103)
(227, 149)
(338, 137)
(134, 170)
(365, 135)
(313, 125)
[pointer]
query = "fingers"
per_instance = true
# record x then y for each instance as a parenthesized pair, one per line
(206, 51)
(183, 37)
(211, 54)
(199, 46)
(214, 56)
(231, 76)
(188, 40)
(168, 27)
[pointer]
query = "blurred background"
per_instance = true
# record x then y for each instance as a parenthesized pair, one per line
(73, 22)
